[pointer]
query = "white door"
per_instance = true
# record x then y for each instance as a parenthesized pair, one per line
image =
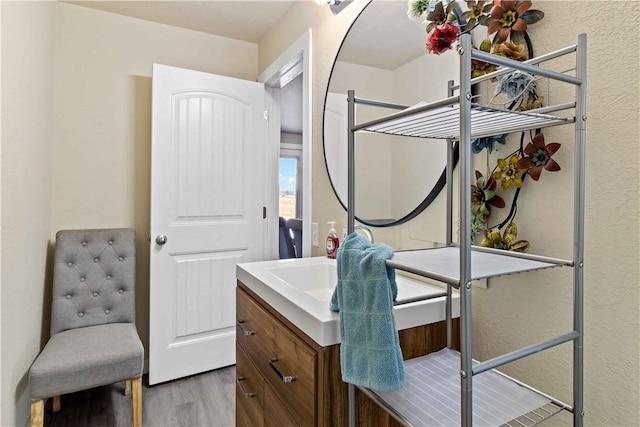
(207, 192)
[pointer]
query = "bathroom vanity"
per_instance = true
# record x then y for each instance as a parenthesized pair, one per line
(288, 350)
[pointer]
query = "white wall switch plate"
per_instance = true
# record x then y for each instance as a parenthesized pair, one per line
(314, 234)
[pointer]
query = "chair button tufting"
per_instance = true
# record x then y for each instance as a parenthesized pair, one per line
(111, 242)
(108, 277)
(120, 258)
(95, 294)
(80, 314)
(69, 264)
(107, 311)
(68, 296)
(84, 243)
(120, 291)
(96, 260)
(82, 279)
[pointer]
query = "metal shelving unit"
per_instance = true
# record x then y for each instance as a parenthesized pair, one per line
(447, 386)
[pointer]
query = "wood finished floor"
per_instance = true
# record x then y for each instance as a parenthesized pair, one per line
(206, 400)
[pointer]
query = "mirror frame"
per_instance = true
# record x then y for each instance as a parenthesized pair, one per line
(435, 191)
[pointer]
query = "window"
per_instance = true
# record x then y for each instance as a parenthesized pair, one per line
(290, 196)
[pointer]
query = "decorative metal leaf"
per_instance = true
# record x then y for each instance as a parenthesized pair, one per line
(532, 16)
(517, 37)
(488, 194)
(451, 6)
(498, 202)
(430, 27)
(484, 20)
(417, 8)
(485, 46)
(520, 246)
(511, 233)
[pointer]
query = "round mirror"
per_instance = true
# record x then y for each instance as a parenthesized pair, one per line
(383, 58)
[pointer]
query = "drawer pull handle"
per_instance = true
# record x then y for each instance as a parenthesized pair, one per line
(246, 332)
(284, 378)
(246, 393)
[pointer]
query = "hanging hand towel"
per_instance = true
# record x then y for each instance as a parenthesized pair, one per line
(370, 354)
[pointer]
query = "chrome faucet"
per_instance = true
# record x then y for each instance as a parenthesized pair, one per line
(366, 230)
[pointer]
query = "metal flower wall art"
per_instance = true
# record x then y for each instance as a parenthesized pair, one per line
(506, 22)
(506, 19)
(511, 173)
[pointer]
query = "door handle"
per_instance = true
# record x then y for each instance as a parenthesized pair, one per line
(161, 239)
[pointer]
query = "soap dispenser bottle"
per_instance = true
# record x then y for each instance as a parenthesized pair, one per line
(332, 240)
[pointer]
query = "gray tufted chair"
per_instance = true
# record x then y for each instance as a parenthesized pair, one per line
(93, 341)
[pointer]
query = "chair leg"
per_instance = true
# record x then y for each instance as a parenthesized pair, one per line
(127, 387)
(137, 401)
(56, 403)
(37, 413)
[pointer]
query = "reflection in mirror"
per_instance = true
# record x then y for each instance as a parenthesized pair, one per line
(383, 58)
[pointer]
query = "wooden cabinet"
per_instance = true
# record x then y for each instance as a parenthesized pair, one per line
(286, 362)
(276, 413)
(249, 391)
(285, 378)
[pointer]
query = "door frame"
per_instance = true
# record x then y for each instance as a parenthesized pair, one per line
(295, 60)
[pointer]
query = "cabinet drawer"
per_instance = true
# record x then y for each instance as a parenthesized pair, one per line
(249, 392)
(275, 413)
(285, 361)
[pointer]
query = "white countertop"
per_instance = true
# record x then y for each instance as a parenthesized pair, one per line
(307, 306)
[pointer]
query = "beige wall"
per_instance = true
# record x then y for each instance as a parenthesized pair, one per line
(27, 102)
(101, 162)
(1, 370)
(83, 162)
(539, 304)
(525, 309)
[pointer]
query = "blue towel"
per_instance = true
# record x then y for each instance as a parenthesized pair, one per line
(370, 354)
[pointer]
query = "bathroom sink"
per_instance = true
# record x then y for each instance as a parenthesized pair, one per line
(317, 280)
(301, 288)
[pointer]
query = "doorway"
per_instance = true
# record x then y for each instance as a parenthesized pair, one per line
(288, 88)
(290, 190)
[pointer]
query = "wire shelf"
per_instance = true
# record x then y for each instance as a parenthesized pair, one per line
(431, 396)
(443, 263)
(443, 122)
(442, 389)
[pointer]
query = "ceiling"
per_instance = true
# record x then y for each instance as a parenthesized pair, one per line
(239, 19)
(251, 20)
